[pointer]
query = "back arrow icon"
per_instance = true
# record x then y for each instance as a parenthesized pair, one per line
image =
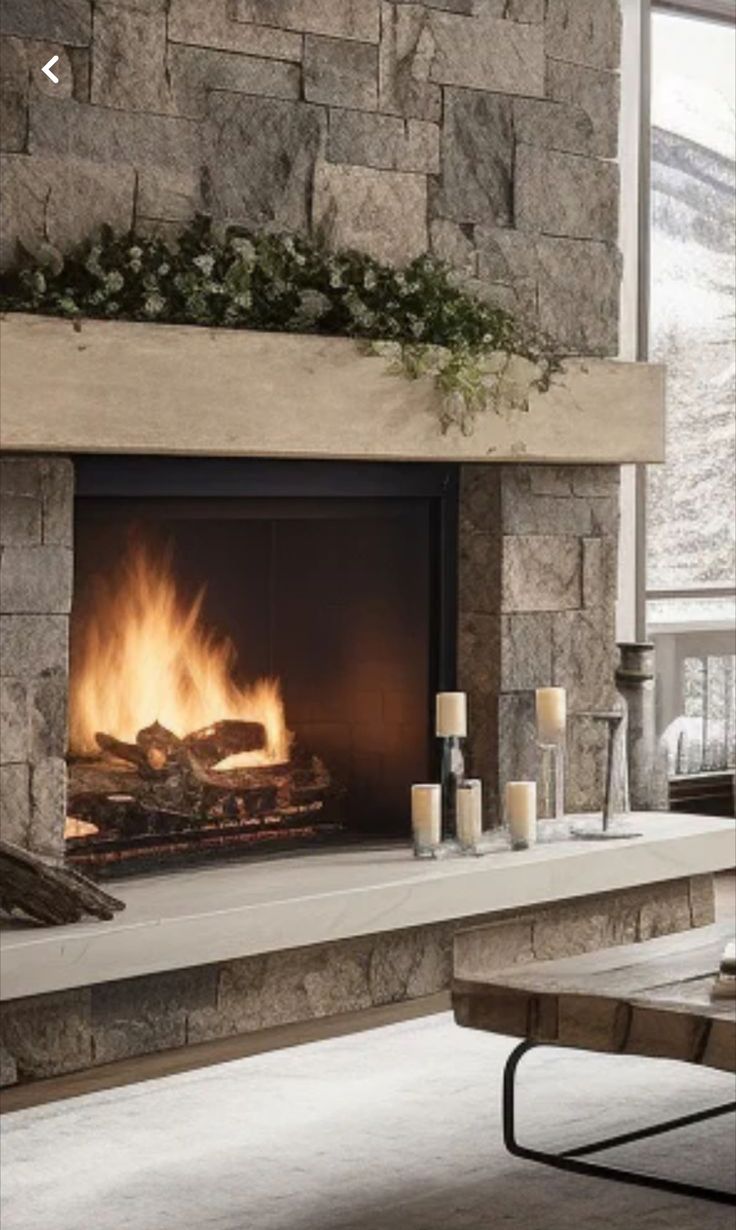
(47, 70)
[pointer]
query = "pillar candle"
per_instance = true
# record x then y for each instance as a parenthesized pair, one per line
(521, 812)
(451, 714)
(426, 813)
(551, 714)
(470, 812)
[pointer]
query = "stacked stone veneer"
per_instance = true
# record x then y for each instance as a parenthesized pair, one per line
(70, 1030)
(537, 605)
(35, 598)
(482, 130)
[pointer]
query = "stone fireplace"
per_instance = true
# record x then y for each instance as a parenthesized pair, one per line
(320, 605)
(299, 516)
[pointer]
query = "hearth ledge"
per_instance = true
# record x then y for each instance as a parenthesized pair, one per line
(177, 921)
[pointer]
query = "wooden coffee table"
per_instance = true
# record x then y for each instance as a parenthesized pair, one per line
(652, 999)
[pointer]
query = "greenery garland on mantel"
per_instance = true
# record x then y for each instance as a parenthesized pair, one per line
(418, 317)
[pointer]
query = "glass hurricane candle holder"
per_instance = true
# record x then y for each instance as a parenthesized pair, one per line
(553, 780)
(426, 819)
(452, 778)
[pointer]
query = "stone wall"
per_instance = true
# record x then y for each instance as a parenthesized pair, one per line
(35, 599)
(72, 1030)
(482, 130)
(537, 591)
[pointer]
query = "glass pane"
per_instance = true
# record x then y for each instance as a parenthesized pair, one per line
(691, 504)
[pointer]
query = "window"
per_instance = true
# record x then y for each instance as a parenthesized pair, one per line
(691, 501)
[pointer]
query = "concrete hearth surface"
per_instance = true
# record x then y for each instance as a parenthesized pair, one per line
(177, 921)
(398, 1128)
(180, 920)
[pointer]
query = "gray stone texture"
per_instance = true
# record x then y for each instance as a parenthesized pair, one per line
(476, 184)
(537, 590)
(584, 32)
(73, 1030)
(340, 73)
(37, 496)
(557, 193)
(261, 160)
(502, 113)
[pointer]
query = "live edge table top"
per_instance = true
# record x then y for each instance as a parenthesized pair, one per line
(652, 998)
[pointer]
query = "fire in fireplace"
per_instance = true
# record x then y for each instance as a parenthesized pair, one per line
(253, 654)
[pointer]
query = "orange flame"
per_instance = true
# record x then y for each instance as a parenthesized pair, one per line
(145, 656)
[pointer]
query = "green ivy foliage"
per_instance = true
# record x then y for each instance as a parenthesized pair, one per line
(224, 277)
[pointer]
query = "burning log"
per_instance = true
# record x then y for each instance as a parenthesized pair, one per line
(47, 893)
(227, 738)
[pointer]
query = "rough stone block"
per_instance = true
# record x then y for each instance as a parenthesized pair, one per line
(406, 52)
(701, 891)
(479, 573)
(552, 125)
(666, 911)
(340, 73)
(14, 81)
(14, 732)
(541, 572)
(47, 713)
(526, 651)
(518, 755)
(480, 498)
(62, 127)
(408, 964)
(57, 489)
(598, 922)
(523, 512)
(349, 19)
(481, 951)
(479, 650)
(595, 480)
(599, 572)
(8, 1069)
(578, 294)
(584, 657)
(485, 53)
(382, 213)
(449, 242)
(48, 1034)
(261, 160)
(196, 71)
(31, 644)
(593, 91)
(142, 1015)
(585, 764)
(584, 31)
(385, 142)
(15, 804)
(59, 21)
(21, 476)
(213, 25)
(477, 155)
(36, 580)
(48, 805)
(551, 480)
(523, 10)
(129, 60)
(20, 520)
(174, 196)
(60, 199)
(563, 194)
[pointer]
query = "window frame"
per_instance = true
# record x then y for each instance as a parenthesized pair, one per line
(722, 12)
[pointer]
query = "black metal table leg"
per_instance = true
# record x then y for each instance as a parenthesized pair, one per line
(569, 1159)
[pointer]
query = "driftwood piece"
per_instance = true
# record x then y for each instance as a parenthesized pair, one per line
(48, 893)
(225, 738)
(651, 998)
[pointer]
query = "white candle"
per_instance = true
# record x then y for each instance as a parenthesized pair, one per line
(470, 812)
(551, 715)
(452, 714)
(426, 813)
(521, 812)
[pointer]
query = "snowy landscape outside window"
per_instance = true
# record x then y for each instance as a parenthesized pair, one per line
(691, 501)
